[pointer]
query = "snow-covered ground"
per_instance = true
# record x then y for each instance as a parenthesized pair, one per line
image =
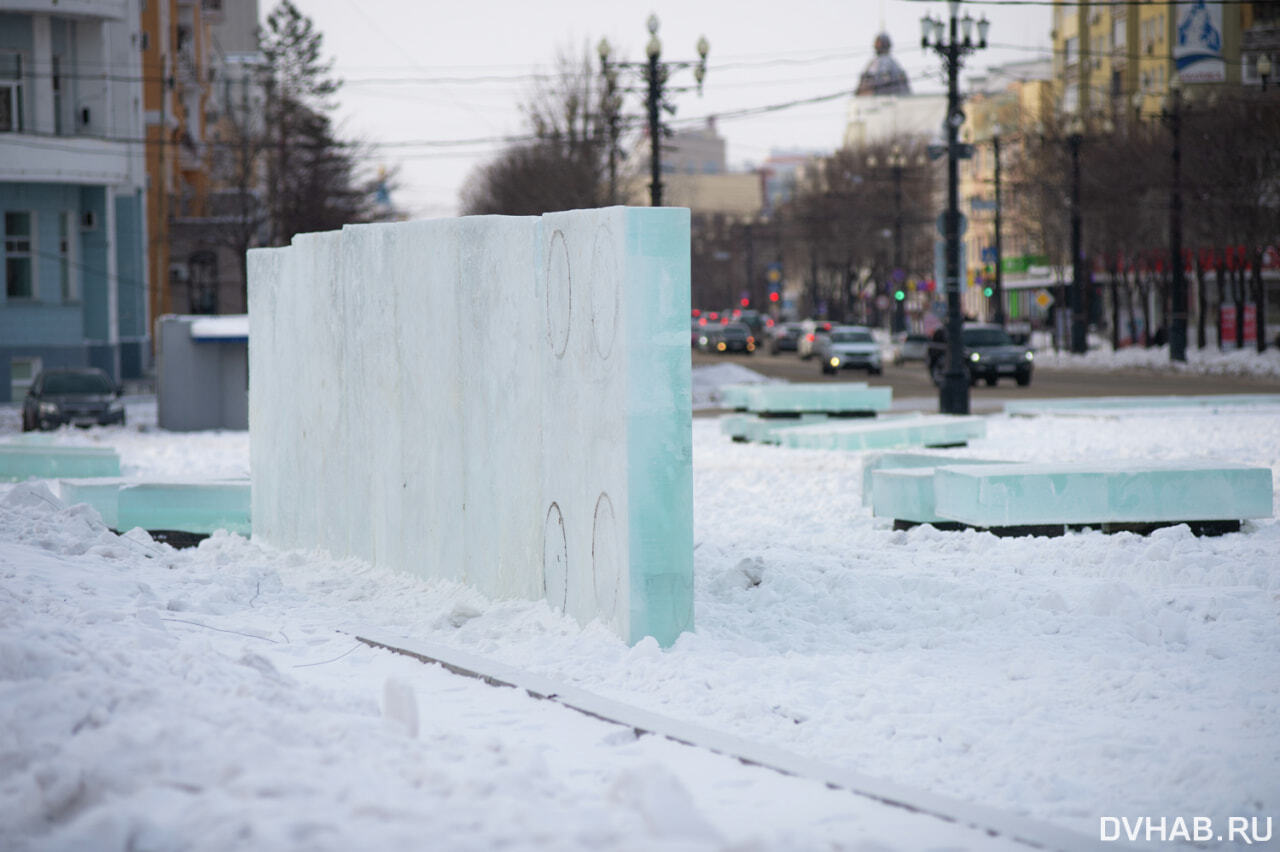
(214, 698)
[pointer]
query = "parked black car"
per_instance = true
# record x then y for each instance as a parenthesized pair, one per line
(83, 396)
(989, 353)
(734, 337)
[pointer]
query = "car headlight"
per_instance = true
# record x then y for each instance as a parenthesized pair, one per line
(48, 408)
(720, 346)
(835, 362)
(1030, 356)
(975, 357)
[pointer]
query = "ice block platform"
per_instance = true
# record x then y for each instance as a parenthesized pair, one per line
(789, 399)
(46, 461)
(901, 459)
(1093, 406)
(188, 507)
(910, 431)
(1213, 495)
(763, 430)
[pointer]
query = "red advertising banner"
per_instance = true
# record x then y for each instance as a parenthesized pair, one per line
(1250, 324)
(1227, 326)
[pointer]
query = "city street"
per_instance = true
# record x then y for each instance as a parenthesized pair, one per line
(911, 382)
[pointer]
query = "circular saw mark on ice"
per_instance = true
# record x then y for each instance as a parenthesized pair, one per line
(555, 559)
(559, 294)
(604, 291)
(605, 560)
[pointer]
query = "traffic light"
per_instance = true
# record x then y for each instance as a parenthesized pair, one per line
(987, 291)
(899, 294)
(744, 301)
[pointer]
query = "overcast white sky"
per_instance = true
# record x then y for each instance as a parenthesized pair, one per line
(428, 73)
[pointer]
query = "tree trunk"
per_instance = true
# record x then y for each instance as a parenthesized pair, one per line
(1238, 284)
(1260, 300)
(1201, 306)
(1115, 306)
(1222, 299)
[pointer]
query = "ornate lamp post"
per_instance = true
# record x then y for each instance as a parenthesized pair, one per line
(947, 41)
(1264, 69)
(655, 74)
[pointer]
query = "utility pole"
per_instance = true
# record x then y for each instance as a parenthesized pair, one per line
(1079, 343)
(1178, 328)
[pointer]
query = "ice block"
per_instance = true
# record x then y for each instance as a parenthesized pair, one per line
(47, 461)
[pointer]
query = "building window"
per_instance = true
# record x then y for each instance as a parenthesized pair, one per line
(10, 92)
(67, 255)
(18, 273)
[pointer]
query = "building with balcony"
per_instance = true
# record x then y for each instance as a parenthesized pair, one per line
(72, 190)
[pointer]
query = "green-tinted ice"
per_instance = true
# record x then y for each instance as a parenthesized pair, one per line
(659, 424)
(196, 507)
(102, 494)
(921, 431)
(44, 461)
(1112, 492)
(891, 459)
(763, 430)
(828, 398)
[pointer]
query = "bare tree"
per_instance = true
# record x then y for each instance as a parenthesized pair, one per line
(564, 163)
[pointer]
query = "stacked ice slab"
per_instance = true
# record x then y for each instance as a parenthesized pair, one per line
(194, 507)
(975, 492)
(501, 401)
(24, 459)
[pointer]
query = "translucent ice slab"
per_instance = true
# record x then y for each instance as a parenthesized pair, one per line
(101, 494)
(879, 461)
(195, 507)
(918, 431)
(763, 430)
(1118, 492)
(44, 461)
(201, 507)
(502, 401)
(823, 398)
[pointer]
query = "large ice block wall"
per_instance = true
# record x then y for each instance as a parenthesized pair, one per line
(502, 401)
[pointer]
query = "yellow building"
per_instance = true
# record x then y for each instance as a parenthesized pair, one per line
(176, 61)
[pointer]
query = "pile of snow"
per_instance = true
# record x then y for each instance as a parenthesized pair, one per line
(214, 698)
(1202, 362)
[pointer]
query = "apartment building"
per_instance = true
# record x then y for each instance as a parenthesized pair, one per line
(72, 182)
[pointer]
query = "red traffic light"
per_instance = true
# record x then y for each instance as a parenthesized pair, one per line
(773, 297)
(744, 301)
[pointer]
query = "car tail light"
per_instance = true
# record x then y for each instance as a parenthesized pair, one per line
(750, 340)
(720, 347)
(809, 338)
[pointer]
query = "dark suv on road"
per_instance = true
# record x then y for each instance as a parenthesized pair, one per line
(84, 396)
(989, 353)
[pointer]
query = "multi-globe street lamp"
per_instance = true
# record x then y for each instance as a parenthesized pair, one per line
(953, 42)
(655, 74)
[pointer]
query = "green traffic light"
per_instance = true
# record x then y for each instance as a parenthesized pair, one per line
(899, 295)
(987, 291)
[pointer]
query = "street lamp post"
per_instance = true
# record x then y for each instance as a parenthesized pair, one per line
(896, 162)
(1264, 69)
(953, 397)
(656, 73)
(1172, 115)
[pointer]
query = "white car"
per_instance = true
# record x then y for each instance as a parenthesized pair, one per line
(847, 346)
(811, 331)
